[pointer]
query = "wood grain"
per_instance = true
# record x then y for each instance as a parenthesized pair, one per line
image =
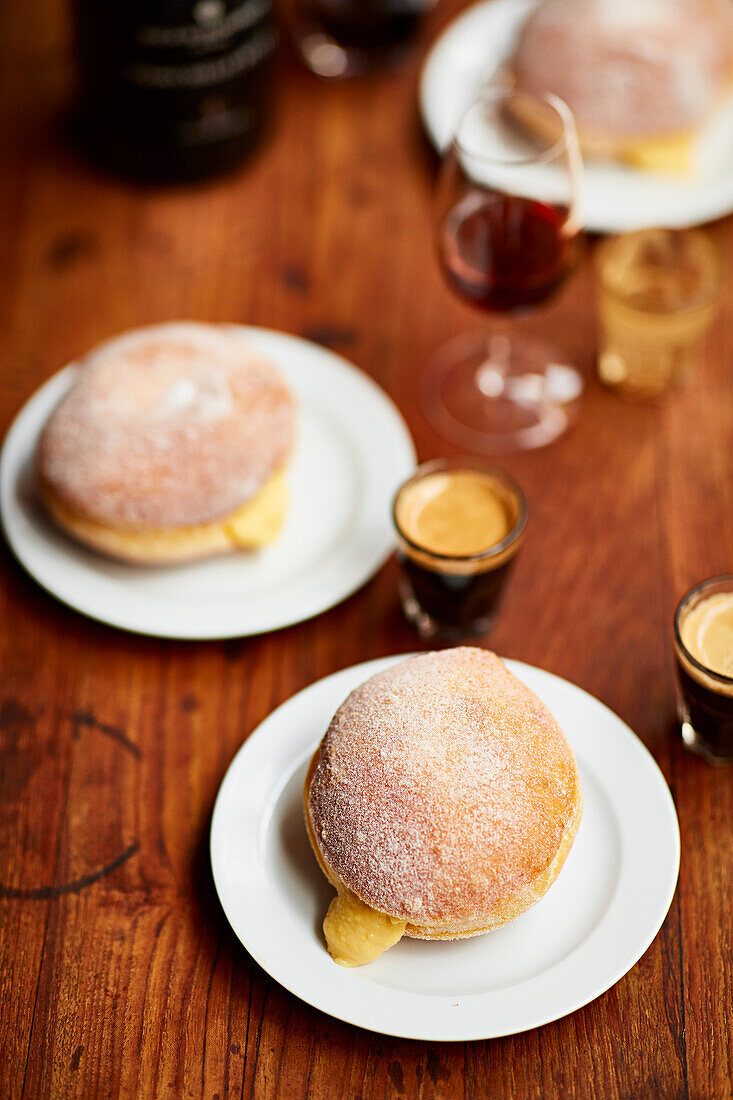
(119, 975)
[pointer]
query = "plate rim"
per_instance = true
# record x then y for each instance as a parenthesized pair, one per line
(8, 501)
(719, 206)
(262, 733)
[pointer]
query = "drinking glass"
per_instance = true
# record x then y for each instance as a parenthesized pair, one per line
(454, 595)
(343, 38)
(507, 222)
(659, 292)
(705, 698)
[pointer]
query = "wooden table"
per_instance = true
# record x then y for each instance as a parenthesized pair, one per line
(119, 974)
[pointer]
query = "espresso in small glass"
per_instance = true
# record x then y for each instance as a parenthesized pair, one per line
(459, 525)
(703, 638)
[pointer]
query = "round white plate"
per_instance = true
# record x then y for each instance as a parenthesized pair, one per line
(616, 198)
(596, 921)
(353, 450)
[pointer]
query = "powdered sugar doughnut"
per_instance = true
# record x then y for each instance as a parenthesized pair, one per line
(444, 794)
(628, 69)
(168, 426)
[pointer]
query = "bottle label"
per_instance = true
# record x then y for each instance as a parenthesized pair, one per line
(212, 26)
(203, 74)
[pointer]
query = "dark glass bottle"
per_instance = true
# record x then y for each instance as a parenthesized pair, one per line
(172, 89)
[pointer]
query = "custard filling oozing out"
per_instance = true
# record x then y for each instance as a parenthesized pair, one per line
(357, 934)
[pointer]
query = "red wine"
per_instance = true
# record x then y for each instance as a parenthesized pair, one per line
(505, 253)
(369, 24)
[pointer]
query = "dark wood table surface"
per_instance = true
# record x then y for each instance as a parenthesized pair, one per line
(119, 974)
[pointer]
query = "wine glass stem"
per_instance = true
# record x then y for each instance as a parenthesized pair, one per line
(491, 375)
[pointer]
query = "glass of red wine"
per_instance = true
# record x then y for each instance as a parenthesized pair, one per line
(343, 38)
(507, 222)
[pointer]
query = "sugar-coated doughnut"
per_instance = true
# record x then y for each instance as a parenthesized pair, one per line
(444, 797)
(169, 445)
(636, 74)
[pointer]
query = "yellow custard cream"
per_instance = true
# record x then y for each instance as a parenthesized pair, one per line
(672, 154)
(707, 633)
(357, 934)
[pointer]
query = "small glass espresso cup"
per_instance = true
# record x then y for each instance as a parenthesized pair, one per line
(705, 700)
(454, 593)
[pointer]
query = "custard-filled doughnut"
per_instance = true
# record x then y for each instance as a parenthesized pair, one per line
(441, 803)
(170, 445)
(640, 76)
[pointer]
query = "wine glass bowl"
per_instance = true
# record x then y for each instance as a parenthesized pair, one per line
(507, 229)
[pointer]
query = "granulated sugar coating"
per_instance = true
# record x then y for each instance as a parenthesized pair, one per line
(444, 793)
(169, 426)
(629, 67)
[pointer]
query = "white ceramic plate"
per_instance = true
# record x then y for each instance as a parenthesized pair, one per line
(353, 450)
(596, 921)
(616, 198)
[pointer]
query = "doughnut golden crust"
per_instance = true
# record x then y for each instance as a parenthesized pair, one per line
(253, 525)
(444, 795)
(168, 434)
(640, 76)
